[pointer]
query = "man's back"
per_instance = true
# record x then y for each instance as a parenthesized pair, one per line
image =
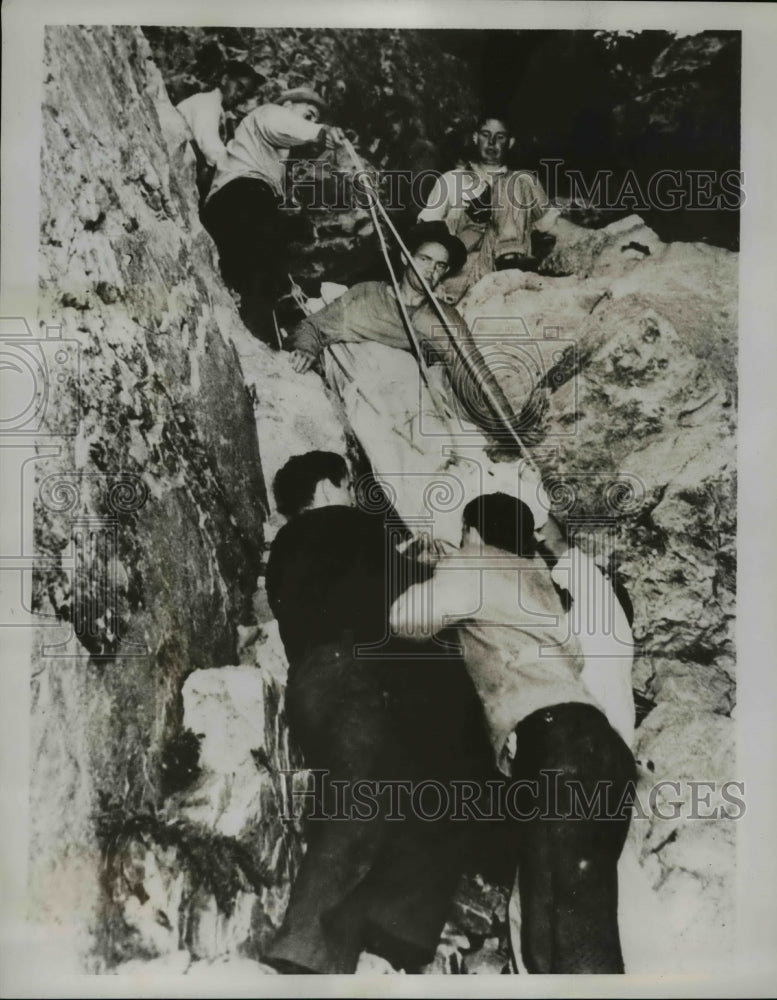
(326, 579)
(203, 114)
(260, 144)
(514, 634)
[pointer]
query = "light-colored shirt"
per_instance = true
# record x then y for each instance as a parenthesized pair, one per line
(370, 311)
(203, 114)
(515, 636)
(261, 145)
(513, 191)
(453, 189)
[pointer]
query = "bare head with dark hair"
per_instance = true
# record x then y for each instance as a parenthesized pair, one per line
(239, 81)
(493, 115)
(502, 521)
(315, 479)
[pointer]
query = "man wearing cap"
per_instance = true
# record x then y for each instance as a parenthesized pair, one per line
(419, 435)
(211, 116)
(242, 210)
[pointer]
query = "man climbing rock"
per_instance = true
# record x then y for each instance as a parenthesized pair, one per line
(243, 209)
(492, 209)
(547, 733)
(421, 428)
(211, 117)
(362, 714)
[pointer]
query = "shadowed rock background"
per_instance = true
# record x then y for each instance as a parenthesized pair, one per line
(157, 690)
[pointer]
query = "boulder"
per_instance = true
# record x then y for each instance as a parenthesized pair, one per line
(634, 354)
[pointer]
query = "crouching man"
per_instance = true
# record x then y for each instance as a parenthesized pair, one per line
(547, 733)
(243, 209)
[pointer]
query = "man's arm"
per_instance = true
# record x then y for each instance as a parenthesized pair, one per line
(424, 609)
(438, 202)
(328, 326)
(543, 214)
(598, 620)
(202, 113)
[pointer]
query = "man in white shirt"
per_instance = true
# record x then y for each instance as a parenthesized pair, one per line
(572, 773)
(242, 209)
(210, 115)
(492, 209)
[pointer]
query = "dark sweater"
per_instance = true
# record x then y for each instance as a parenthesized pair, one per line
(327, 579)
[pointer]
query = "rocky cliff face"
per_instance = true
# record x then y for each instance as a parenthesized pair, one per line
(151, 844)
(149, 519)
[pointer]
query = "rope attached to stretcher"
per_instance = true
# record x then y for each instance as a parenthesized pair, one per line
(409, 329)
(377, 206)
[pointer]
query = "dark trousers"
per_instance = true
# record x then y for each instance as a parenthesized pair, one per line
(381, 884)
(246, 224)
(568, 854)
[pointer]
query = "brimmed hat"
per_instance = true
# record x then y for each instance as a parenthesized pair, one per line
(237, 67)
(437, 232)
(303, 95)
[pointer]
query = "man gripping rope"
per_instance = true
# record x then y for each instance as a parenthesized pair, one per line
(243, 209)
(414, 399)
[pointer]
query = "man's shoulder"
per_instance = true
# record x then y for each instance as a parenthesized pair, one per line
(523, 173)
(459, 169)
(205, 100)
(201, 97)
(451, 313)
(324, 522)
(489, 557)
(263, 114)
(364, 291)
(368, 288)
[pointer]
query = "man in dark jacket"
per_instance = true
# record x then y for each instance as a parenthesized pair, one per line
(368, 883)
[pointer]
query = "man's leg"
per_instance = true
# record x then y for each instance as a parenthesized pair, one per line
(337, 713)
(513, 211)
(244, 220)
(448, 757)
(568, 856)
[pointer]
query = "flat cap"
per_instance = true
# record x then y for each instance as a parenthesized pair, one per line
(303, 95)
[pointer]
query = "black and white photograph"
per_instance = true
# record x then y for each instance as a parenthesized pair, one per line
(387, 428)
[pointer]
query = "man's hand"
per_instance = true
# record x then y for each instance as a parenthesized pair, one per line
(552, 537)
(301, 361)
(333, 136)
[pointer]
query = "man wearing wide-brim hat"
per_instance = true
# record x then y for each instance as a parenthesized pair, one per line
(413, 432)
(242, 209)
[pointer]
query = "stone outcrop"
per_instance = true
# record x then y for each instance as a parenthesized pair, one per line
(148, 514)
(152, 520)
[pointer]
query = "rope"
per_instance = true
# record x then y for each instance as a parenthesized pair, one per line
(409, 328)
(376, 205)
